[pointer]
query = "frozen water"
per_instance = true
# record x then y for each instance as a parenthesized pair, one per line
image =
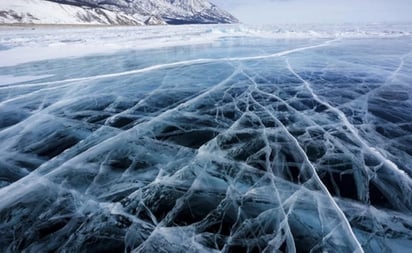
(217, 139)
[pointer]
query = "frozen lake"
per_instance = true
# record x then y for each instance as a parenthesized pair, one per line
(206, 139)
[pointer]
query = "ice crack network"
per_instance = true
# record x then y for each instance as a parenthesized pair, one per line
(246, 144)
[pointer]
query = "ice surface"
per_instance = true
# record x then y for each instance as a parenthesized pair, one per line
(251, 141)
(8, 80)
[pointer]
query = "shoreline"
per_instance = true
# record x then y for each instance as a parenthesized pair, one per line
(81, 26)
(27, 25)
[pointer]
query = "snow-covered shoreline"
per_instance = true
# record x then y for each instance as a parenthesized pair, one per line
(28, 43)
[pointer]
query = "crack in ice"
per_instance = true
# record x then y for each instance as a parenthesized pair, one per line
(209, 153)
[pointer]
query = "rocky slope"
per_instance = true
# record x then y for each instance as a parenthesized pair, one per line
(116, 12)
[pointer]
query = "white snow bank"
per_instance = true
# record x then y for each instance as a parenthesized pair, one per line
(28, 44)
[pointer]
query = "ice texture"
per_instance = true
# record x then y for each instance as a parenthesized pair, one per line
(245, 143)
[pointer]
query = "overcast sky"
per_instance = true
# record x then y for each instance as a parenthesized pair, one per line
(318, 11)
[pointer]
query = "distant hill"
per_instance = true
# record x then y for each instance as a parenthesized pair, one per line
(112, 12)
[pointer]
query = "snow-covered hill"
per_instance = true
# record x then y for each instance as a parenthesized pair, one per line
(45, 12)
(118, 12)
